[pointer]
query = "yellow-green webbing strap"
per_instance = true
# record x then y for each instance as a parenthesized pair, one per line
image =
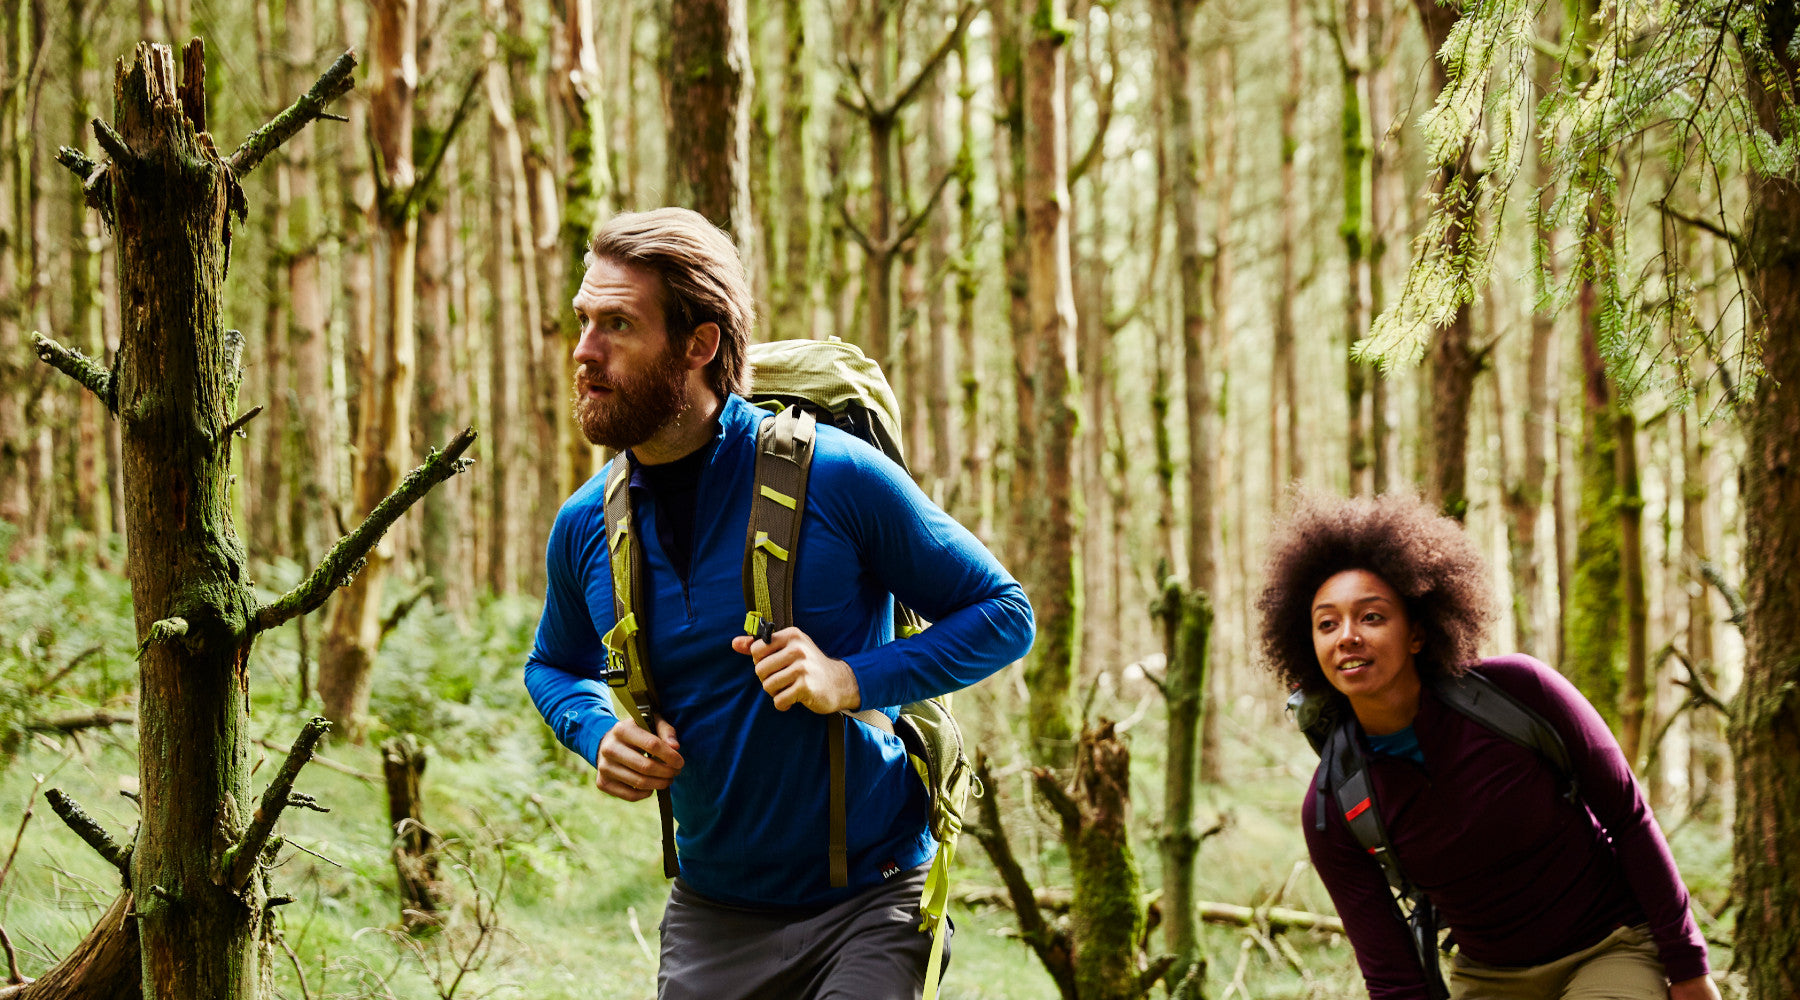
(627, 667)
(935, 900)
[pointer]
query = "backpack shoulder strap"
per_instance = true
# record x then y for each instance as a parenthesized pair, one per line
(1481, 699)
(784, 448)
(627, 668)
(1344, 773)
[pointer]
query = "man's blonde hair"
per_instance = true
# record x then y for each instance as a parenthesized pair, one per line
(702, 277)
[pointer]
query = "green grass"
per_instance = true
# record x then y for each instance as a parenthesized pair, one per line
(565, 912)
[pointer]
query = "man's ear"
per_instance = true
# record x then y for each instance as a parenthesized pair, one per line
(703, 346)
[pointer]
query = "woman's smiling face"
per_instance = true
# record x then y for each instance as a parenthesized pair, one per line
(1363, 638)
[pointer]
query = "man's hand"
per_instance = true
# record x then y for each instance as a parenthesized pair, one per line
(794, 672)
(635, 764)
(1698, 988)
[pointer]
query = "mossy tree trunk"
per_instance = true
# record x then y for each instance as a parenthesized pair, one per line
(1765, 730)
(1051, 666)
(709, 89)
(1187, 624)
(194, 909)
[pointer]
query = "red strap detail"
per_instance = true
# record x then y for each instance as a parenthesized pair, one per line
(1356, 810)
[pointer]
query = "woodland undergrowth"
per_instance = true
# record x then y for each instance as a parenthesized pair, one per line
(556, 890)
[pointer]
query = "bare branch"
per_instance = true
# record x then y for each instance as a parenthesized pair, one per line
(114, 143)
(19, 838)
(12, 961)
(90, 830)
(910, 227)
(1056, 796)
(167, 630)
(79, 367)
(335, 83)
(325, 762)
(429, 174)
(1716, 577)
(856, 233)
(1103, 115)
(78, 162)
(931, 63)
(240, 860)
(239, 423)
(1159, 967)
(81, 720)
(402, 609)
(346, 557)
(1700, 223)
(1051, 945)
(49, 682)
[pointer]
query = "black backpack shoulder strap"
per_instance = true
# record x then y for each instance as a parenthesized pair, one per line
(1481, 699)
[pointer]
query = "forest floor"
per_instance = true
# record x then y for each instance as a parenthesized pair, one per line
(558, 889)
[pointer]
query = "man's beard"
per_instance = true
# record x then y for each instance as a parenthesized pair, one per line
(638, 406)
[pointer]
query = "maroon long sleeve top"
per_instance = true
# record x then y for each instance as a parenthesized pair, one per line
(1520, 875)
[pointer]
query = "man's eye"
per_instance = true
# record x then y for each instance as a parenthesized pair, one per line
(618, 324)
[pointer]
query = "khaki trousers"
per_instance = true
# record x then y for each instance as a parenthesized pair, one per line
(1624, 966)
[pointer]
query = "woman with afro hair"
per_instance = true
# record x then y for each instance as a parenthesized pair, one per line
(1369, 603)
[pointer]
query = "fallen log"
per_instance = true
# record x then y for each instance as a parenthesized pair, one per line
(1280, 918)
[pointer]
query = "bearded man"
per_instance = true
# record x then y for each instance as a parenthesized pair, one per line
(740, 741)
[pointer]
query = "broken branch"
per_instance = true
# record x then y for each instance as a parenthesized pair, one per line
(324, 762)
(1056, 796)
(240, 860)
(90, 830)
(342, 562)
(1051, 945)
(1716, 577)
(114, 143)
(335, 83)
(163, 631)
(79, 367)
(239, 423)
(78, 162)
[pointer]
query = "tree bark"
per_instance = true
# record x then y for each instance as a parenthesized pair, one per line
(384, 435)
(1454, 364)
(1187, 623)
(709, 112)
(503, 344)
(313, 465)
(794, 284)
(1353, 63)
(1285, 465)
(1051, 667)
(1765, 727)
(588, 193)
(15, 501)
(193, 872)
(423, 894)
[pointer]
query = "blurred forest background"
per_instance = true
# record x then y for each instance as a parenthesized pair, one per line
(1136, 267)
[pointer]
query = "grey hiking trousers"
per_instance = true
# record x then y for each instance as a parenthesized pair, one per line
(865, 948)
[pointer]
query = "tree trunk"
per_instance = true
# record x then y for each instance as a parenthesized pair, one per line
(1106, 920)
(1454, 364)
(423, 894)
(975, 509)
(939, 362)
(1187, 624)
(1591, 649)
(86, 495)
(1633, 710)
(1353, 60)
(1285, 465)
(1765, 728)
(384, 436)
(709, 116)
(436, 397)
(15, 501)
(795, 282)
(313, 462)
(1706, 733)
(588, 192)
(1221, 174)
(1051, 668)
(503, 344)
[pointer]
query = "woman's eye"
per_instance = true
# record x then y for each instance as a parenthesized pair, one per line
(1326, 624)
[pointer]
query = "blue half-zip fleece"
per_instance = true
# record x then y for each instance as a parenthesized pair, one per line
(750, 803)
